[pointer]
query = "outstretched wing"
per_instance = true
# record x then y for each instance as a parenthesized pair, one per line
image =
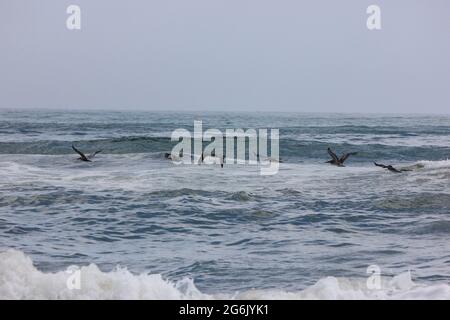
(83, 157)
(94, 154)
(345, 156)
(380, 165)
(333, 155)
(391, 168)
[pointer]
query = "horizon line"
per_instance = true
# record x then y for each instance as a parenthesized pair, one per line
(193, 110)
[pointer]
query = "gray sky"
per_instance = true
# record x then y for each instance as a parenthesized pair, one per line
(266, 55)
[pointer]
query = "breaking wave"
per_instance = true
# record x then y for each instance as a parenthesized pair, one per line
(19, 279)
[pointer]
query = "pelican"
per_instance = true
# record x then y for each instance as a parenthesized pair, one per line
(83, 157)
(339, 161)
(391, 168)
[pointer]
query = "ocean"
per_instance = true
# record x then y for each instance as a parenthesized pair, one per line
(137, 226)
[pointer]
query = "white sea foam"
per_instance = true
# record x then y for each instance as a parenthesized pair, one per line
(19, 279)
(435, 164)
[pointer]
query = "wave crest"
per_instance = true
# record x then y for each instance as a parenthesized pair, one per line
(19, 279)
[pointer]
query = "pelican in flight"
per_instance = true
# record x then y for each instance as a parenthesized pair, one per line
(391, 168)
(213, 154)
(169, 156)
(339, 161)
(83, 157)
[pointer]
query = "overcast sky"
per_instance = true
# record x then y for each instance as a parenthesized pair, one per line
(261, 55)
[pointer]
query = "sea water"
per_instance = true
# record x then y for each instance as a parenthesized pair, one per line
(137, 226)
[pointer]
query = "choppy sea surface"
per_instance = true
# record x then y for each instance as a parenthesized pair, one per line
(139, 226)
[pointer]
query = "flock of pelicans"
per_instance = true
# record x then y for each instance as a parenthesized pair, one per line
(335, 160)
(340, 162)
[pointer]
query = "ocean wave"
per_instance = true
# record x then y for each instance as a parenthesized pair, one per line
(241, 196)
(438, 228)
(291, 149)
(419, 202)
(434, 164)
(19, 279)
(116, 145)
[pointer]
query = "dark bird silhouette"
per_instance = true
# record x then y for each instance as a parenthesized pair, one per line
(83, 157)
(168, 155)
(201, 159)
(339, 161)
(390, 168)
(213, 154)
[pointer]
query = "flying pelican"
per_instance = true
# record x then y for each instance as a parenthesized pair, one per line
(391, 168)
(83, 157)
(339, 161)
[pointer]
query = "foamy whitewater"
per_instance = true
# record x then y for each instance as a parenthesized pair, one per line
(19, 279)
(137, 226)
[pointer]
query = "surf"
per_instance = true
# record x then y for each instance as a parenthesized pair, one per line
(19, 279)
